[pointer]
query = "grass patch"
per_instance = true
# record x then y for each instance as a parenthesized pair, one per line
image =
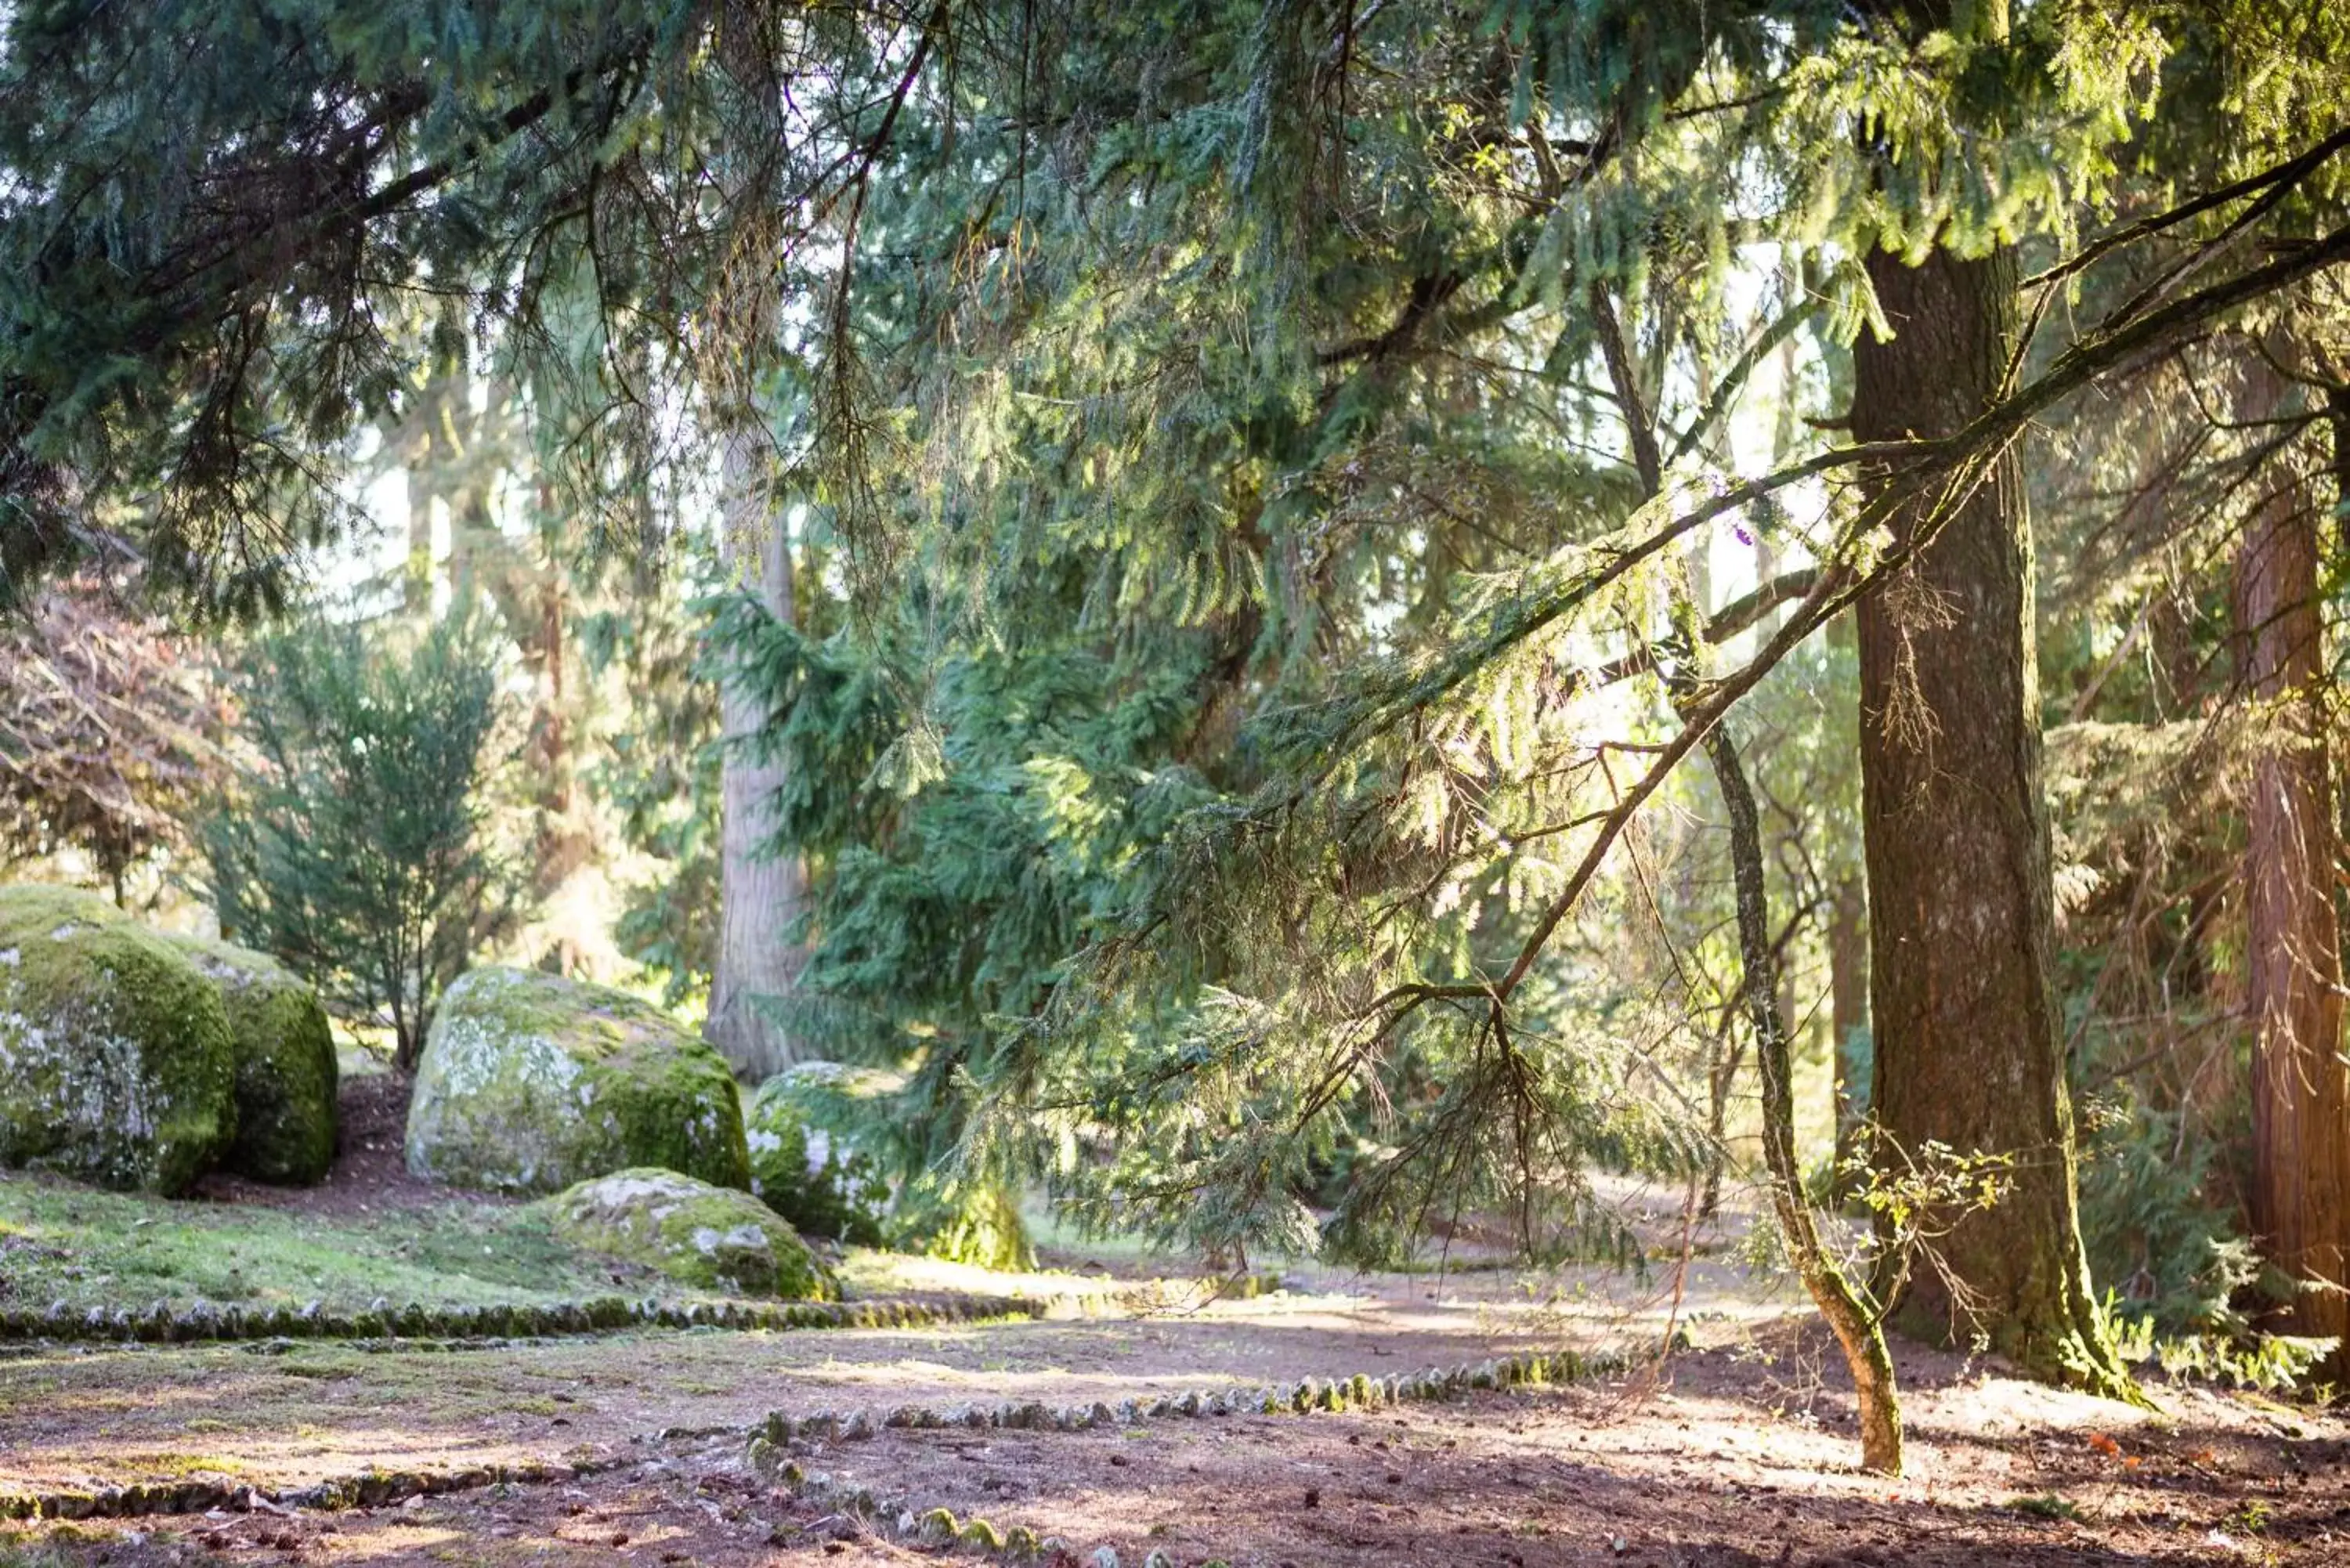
(87, 1248)
(2047, 1505)
(60, 1241)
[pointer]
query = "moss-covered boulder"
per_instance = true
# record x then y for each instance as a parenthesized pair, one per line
(530, 1083)
(968, 1218)
(712, 1238)
(285, 1073)
(115, 1066)
(811, 1179)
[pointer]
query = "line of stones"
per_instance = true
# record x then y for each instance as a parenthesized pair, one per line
(163, 1325)
(370, 1489)
(783, 1435)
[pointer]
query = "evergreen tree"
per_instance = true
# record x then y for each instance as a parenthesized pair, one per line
(358, 846)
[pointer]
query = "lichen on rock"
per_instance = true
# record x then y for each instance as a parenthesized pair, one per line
(115, 1066)
(965, 1217)
(285, 1072)
(530, 1083)
(714, 1238)
(811, 1179)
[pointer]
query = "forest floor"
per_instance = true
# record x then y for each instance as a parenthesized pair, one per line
(1737, 1450)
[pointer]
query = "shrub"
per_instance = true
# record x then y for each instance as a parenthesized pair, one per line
(356, 845)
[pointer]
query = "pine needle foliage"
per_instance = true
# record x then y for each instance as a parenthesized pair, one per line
(358, 845)
(1255, 758)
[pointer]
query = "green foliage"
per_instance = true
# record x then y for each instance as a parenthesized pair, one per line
(2157, 1231)
(875, 1175)
(360, 846)
(1263, 442)
(2272, 1363)
(2047, 1505)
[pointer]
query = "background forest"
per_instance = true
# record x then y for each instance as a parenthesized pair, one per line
(1292, 627)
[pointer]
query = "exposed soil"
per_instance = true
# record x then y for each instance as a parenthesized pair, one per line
(1742, 1455)
(1741, 1452)
(80, 1417)
(370, 1170)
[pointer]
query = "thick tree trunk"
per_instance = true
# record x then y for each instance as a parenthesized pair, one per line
(760, 891)
(1961, 912)
(2300, 1090)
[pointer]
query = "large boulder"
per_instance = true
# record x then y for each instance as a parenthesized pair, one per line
(285, 1072)
(530, 1083)
(811, 1179)
(115, 1065)
(712, 1238)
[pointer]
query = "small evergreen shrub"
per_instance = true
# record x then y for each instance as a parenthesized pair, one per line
(356, 845)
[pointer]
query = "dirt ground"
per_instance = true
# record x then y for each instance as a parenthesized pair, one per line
(1736, 1455)
(1739, 1450)
(371, 1171)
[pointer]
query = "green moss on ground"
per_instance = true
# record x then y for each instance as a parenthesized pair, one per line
(86, 1248)
(713, 1238)
(116, 1063)
(530, 1083)
(286, 1076)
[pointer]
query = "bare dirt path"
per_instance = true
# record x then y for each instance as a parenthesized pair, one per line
(1739, 1451)
(1739, 1455)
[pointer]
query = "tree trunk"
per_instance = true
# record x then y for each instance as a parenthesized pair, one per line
(1848, 1315)
(760, 891)
(2300, 1090)
(1847, 1010)
(1961, 910)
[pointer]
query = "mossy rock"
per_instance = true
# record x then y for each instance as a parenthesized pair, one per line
(712, 1238)
(807, 1176)
(285, 1073)
(115, 1066)
(947, 1216)
(530, 1083)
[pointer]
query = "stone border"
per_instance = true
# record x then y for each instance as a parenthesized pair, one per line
(417, 1327)
(369, 1489)
(769, 1449)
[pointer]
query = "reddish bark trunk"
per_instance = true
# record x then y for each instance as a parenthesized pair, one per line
(2300, 1090)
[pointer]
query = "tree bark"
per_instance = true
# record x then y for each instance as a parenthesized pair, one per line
(1847, 1010)
(1849, 1316)
(1962, 909)
(2300, 1090)
(761, 891)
